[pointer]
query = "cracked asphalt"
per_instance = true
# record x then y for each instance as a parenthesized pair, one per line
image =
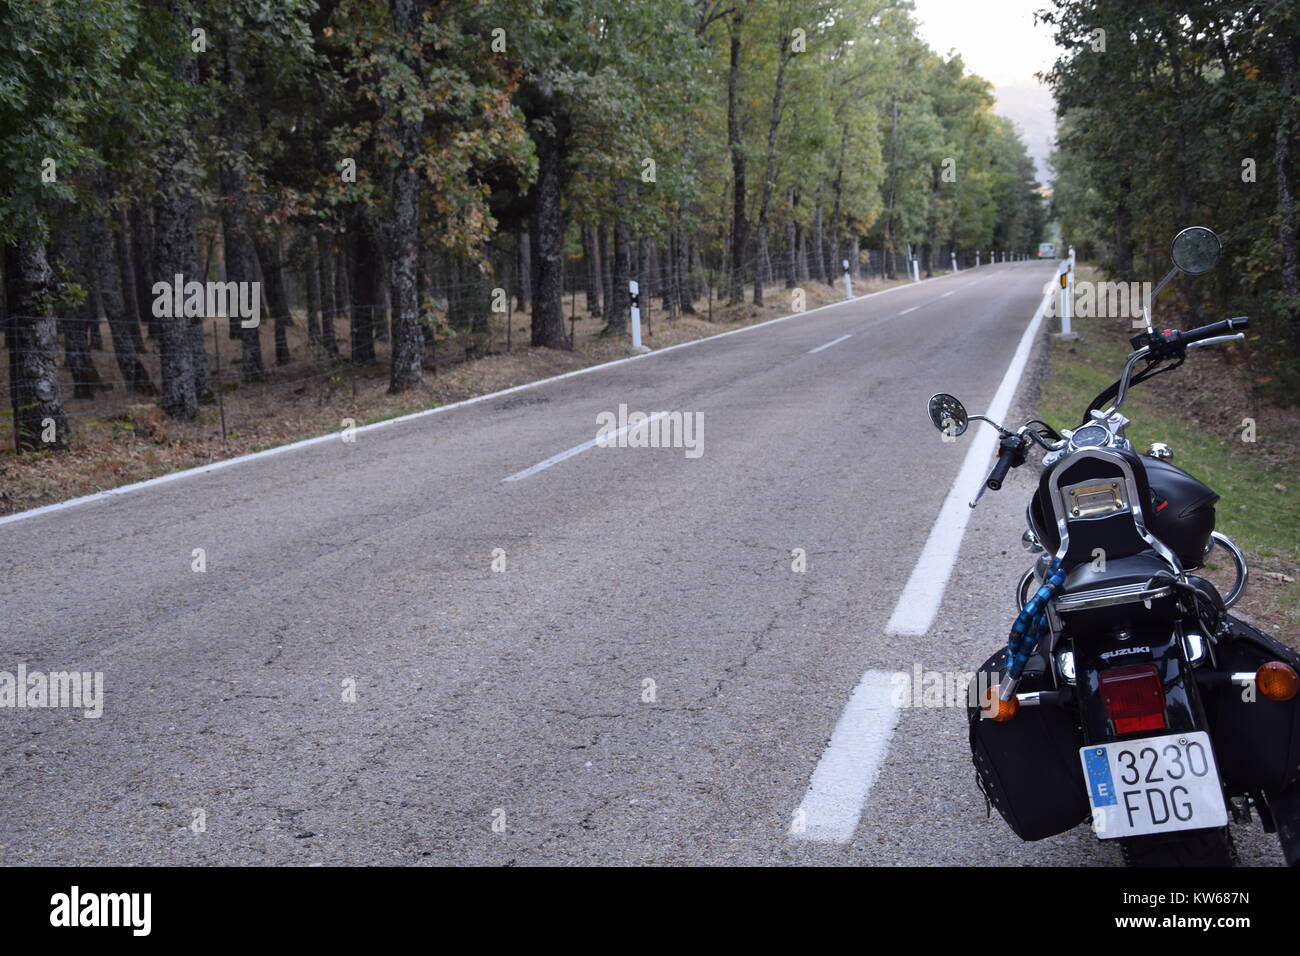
(647, 682)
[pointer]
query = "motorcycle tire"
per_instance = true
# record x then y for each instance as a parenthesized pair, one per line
(1188, 848)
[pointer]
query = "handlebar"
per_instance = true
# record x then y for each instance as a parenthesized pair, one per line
(999, 472)
(1011, 453)
(1171, 341)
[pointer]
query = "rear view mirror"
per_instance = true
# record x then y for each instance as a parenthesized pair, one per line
(948, 414)
(1195, 250)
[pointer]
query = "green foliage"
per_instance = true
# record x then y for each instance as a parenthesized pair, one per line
(1175, 122)
(58, 63)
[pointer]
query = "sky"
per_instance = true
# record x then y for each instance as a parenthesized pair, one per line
(998, 40)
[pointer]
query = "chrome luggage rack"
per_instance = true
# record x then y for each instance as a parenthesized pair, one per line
(1106, 597)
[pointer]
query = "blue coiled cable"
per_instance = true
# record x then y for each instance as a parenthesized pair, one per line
(1030, 626)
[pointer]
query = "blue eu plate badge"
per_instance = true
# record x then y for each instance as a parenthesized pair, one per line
(1100, 785)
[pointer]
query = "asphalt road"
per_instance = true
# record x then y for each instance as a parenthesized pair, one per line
(647, 681)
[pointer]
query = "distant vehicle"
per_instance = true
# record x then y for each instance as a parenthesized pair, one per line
(1047, 250)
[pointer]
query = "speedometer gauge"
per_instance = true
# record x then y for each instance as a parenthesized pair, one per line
(1090, 436)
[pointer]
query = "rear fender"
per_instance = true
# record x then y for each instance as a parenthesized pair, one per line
(1154, 642)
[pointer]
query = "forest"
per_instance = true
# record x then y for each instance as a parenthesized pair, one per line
(1179, 113)
(396, 174)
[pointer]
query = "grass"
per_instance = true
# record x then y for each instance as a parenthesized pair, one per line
(1258, 509)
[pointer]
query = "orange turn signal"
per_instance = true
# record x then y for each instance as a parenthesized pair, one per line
(1277, 681)
(995, 708)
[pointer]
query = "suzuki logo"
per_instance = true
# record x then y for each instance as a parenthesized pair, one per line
(1107, 655)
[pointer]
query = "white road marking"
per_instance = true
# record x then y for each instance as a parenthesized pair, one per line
(578, 449)
(945, 295)
(334, 436)
(838, 790)
(912, 309)
(919, 602)
(830, 343)
(842, 781)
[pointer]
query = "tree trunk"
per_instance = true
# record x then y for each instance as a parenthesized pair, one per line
(525, 270)
(739, 226)
(143, 273)
(891, 194)
(32, 338)
(365, 292)
(138, 310)
(329, 304)
(546, 231)
(769, 169)
(312, 284)
(791, 243)
(591, 257)
(817, 260)
(620, 311)
(236, 230)
(175, 251)
(107, 279)
(685, 286)
(270, 254)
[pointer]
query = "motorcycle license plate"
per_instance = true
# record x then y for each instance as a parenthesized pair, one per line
(1153, 785)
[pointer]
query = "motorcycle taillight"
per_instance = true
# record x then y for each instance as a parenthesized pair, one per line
(1134, 698)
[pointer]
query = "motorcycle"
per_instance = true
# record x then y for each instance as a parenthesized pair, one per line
(1127, 695)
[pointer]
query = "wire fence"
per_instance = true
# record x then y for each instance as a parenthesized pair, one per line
(313, 360)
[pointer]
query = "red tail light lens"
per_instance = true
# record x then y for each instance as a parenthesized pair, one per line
(1134, 698)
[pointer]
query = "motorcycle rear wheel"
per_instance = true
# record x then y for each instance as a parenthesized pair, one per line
(1198, 848)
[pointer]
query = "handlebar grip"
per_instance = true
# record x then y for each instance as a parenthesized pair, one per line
(1214, 329)
(1006, 458)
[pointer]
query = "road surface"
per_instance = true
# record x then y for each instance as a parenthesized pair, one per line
(648, 681)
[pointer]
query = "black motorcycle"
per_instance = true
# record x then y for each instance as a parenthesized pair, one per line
(1127, 694)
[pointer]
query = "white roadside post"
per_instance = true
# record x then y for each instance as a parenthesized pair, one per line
(848, 280)
(977, 258)
(637, 348)
(954, 260)
(1065, 276)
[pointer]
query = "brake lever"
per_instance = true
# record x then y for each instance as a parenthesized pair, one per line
(1217, 340)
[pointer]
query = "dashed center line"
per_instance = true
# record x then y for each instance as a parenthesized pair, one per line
(578, 449)
(912, 309)
(830, 343)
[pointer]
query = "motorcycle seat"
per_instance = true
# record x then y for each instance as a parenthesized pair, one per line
(1135, 569)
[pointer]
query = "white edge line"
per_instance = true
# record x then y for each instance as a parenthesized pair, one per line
(578, 449)
(334, 436)
(837, 792)
(830, 343)
(919, 602)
